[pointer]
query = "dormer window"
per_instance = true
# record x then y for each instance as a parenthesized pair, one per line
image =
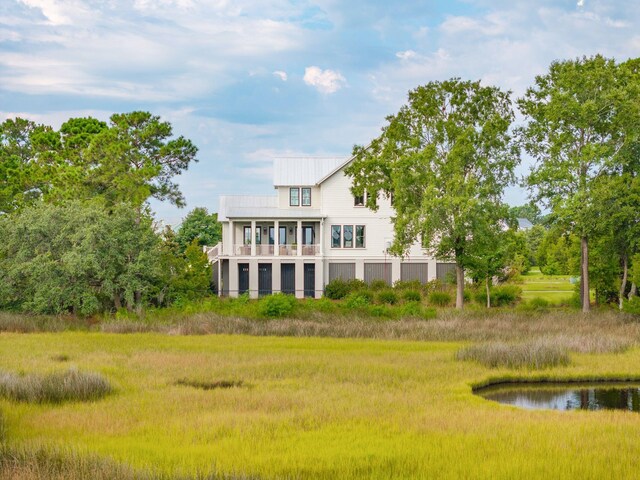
(306, 197)
(294, 197)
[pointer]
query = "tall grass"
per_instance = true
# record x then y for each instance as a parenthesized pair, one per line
(69, 386)
(47, 463)
(535, 355)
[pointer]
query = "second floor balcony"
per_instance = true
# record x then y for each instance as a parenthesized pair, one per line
(272, 238)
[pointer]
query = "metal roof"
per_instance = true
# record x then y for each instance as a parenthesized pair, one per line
(304, 170)
(524, 224)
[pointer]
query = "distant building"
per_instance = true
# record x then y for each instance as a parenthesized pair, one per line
(524, 224)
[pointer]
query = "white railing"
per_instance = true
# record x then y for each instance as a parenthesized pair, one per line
(212, 252)
(283, 250)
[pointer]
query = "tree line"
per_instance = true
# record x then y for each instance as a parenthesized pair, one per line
(77, 232)
(447, 156)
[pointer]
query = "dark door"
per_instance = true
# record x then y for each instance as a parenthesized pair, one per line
(243, 278)
(309, 280)
(288, 278)
(264, 279)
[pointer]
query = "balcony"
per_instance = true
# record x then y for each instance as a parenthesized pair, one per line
(286, 250)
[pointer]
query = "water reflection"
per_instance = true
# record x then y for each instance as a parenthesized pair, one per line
(569, 396)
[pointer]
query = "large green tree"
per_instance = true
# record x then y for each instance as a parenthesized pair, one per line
(445, 158)
(78, 257)
(200, 225)
(580, 116)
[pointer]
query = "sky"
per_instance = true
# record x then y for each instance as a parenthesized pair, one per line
(251, 80)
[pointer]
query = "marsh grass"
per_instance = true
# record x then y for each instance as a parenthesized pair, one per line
(219, 384)
(60, 358)
(536, 355)
(48, 463)
(69, 386)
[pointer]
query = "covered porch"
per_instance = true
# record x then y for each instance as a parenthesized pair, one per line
(276, 237)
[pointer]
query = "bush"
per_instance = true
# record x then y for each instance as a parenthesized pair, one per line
(356, 284)
(336, 289)
(323, 305)
(358, 299)
(388, 296)
(440, 299)
(411, 296)
(276, 305)
(378, 285)
(500, 296)
(380, 311)
(632, 306)
(415, 310)
(538, 303)
(69, 386)
(408, 285)
(537, 354)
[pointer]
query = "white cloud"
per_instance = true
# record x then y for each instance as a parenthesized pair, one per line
(580, 3)
(281, 75)
(406, 55)
(326, 81)
(58, 12)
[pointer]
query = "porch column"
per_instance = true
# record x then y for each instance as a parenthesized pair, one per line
(232, 249)
(321, 241)
(299, 237)
(253, 238)
(276, 237)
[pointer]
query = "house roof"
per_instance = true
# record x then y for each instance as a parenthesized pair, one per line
(296, 171)
(524, 224)
(259, 207)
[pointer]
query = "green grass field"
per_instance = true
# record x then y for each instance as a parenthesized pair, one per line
(555, 289)
(314, 408)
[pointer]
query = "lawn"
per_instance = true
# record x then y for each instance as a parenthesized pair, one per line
(555, 289)
(314, 408)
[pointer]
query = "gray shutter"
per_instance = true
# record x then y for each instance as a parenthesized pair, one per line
(345, 271)
(414, 271)
(377, 271)
(444, 271)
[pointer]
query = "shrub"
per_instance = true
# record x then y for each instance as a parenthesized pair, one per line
(356, 284)
(500, 296)
(68, 386)
(440, 299)
(408, 285)
(537, 354)
(505, 295)
(411, 296)
(376, 285)
(336, 289)
(276, 305)
(323, 305)
(429, 313)
(538, 303)
(388, 296)
(632, 306)
(358, 299)
(380, 311)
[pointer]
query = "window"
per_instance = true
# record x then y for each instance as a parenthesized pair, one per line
(294, 197)
(258, 235)
(247, 235)
(348, 236)
(336, 236)
(307, 235)
(282, 236)
(306, 197)
(271, 236)
(358, 200)
(359, 236)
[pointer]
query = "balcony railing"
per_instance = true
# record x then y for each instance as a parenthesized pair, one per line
(283, 250)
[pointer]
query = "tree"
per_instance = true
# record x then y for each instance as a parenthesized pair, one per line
(22, 180)
(134, 159)
(77, 258)
(199, 225)
(446, 158)
(579, 118)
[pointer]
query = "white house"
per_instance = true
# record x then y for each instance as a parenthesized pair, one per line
(310, 232)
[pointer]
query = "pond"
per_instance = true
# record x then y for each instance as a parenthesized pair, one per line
(566, 396)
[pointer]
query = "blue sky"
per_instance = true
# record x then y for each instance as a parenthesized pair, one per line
(250, 80)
